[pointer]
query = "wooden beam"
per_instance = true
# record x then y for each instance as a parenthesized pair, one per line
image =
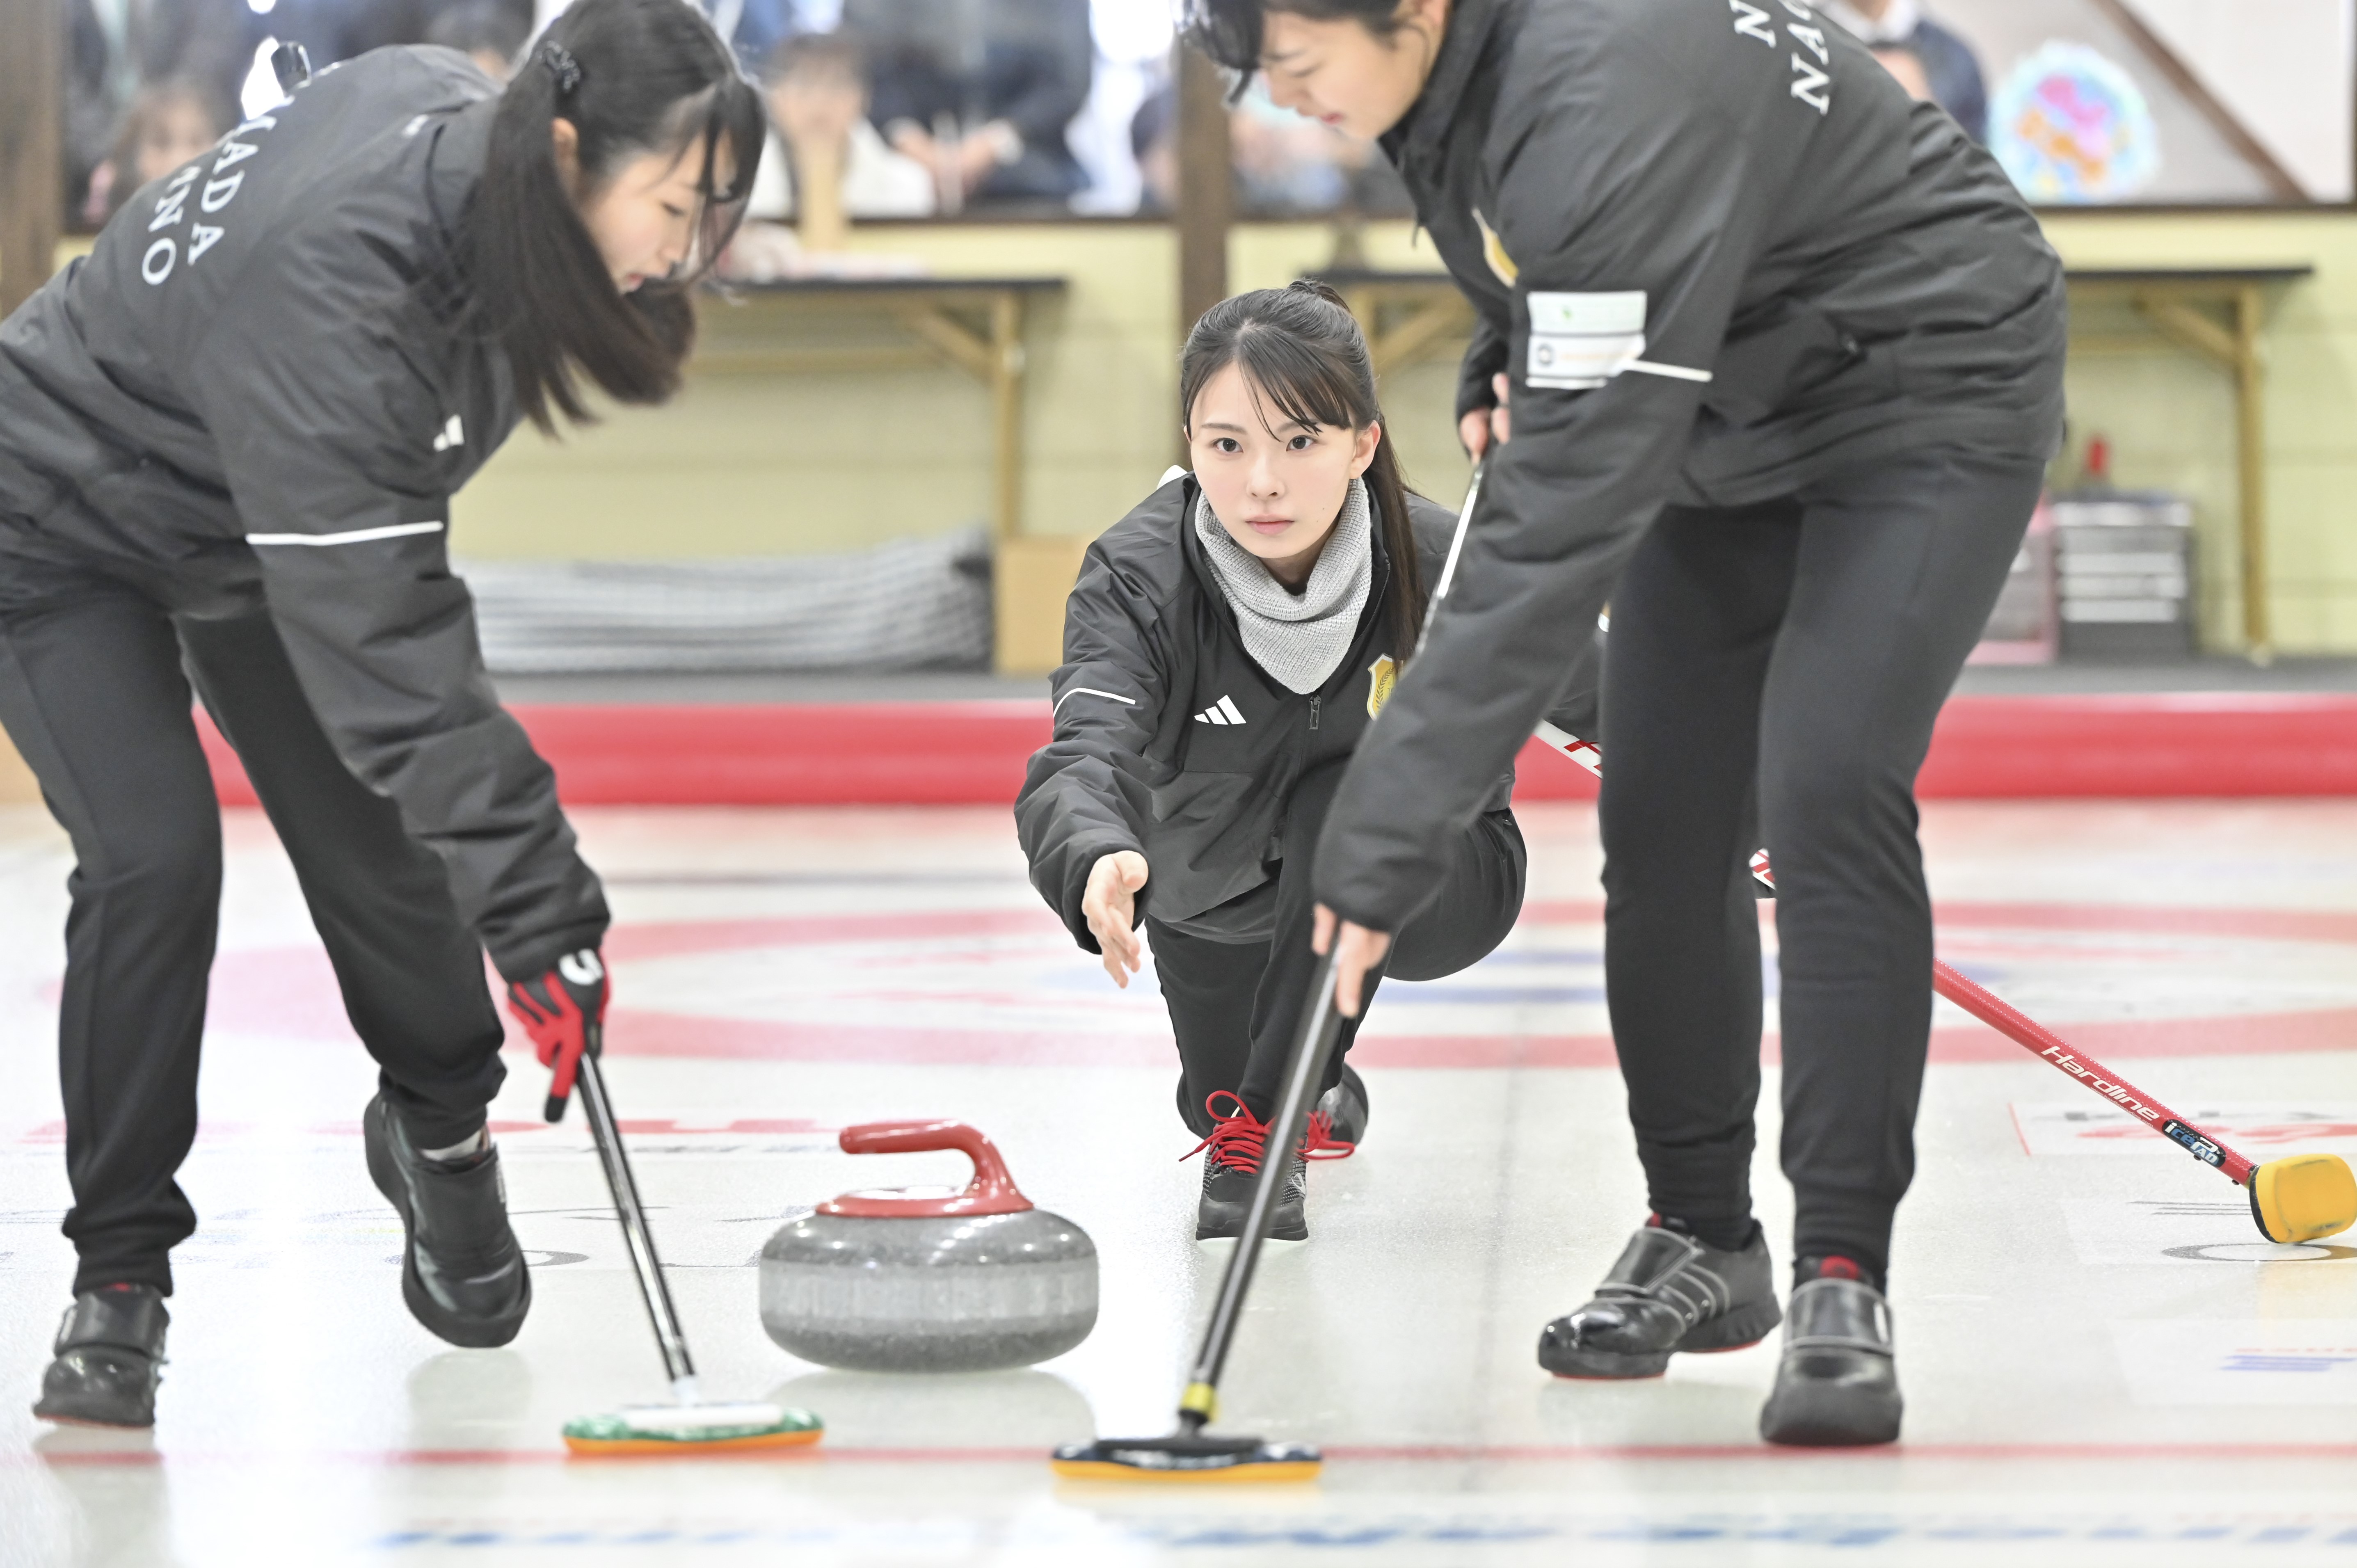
(32, 116)
(1005, 379)
(2280, 181)
(956, 341)
(2249, 381)
(1206, 186)
(2190, 329)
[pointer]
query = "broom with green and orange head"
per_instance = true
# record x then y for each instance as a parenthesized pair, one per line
(687, 1425)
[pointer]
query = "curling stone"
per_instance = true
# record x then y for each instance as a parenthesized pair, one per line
(928, 1279)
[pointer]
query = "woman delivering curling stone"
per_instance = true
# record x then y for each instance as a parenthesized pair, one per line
(228, 441)
(1226, 648)
(1784, 351)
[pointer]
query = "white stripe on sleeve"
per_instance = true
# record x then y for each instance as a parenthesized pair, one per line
(353, 536)
(1675, 372)
(1088, 691)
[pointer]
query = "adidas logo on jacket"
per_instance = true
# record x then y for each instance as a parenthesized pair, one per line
(1222, 712)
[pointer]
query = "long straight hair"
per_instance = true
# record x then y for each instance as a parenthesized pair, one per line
(632, 77)
(1301, 350)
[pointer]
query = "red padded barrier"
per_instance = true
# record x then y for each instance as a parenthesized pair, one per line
(2178, 744)
(972, 753)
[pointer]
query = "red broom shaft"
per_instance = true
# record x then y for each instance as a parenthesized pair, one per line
(2004, 1019)
(2029, 1034)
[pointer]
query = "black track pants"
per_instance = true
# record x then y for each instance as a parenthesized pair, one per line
(1237, 1007)
(93, 692)
(1772, 676)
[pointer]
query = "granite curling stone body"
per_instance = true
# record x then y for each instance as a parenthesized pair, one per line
(929, 1280)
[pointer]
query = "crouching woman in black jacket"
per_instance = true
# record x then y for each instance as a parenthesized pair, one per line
(227, 443)
(1228, 645)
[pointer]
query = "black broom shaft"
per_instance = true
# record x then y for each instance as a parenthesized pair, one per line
(1320, 1028)
(1455, 549)
(636, 1236)
(1306, 1066)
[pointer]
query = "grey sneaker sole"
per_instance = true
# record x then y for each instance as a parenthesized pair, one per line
(1228, 1225)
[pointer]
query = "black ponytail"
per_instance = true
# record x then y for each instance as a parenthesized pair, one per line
(632, 77)
(1301, 349)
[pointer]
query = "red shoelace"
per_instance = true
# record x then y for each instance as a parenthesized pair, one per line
(1241, 1138)
(1238, 1140)
(1319, 1143)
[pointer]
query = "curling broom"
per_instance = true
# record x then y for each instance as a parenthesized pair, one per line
(2298, 1198)
(687, 1425)
(1187, 1454)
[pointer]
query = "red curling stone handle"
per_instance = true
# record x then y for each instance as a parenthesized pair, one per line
(991, 1190)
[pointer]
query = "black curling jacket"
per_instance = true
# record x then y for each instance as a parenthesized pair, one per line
(1720, 254)
(257, 393)
(1171, 740)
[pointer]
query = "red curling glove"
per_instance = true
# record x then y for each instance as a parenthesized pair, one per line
(564, 1012)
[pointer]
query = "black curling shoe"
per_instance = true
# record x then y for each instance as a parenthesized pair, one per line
(1340, 1119)
(1668, 1292)
(110, 1357)
(461, 1272)
(1227, 1199)
(1837, 1386)
(1238, 1142)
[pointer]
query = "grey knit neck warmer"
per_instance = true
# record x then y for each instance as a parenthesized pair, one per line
(1299, 640)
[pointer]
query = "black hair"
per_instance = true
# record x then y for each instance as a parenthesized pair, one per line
(1301, 349)
(632, 77)
(1228, 31)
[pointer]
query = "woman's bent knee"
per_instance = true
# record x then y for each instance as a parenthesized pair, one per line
(173, 857)
(1476, 906)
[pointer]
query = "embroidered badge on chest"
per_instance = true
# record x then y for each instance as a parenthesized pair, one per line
(1382, 676)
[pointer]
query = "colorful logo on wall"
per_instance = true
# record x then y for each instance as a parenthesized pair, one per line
(2071, 127)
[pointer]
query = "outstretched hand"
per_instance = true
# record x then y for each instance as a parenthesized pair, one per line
(1110, 907)
(1359, 951)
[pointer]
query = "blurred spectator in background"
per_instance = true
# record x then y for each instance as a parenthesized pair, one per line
(1908, 66)
(1945, 60)
(356, 26)
(980, 91)
(1288, 165)
(113, 49)
(755, 28)
(168, 123)
(1285, 165)
(492, 36)
(818, 98)
(1154, 143)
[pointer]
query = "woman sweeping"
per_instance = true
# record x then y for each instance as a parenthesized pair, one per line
(1226, 648)
(228, 442)
(1784, 352)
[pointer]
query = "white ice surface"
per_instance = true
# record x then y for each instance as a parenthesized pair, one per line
(2079, 1389)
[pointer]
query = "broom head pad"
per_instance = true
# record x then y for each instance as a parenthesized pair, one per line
(2303, 1198)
